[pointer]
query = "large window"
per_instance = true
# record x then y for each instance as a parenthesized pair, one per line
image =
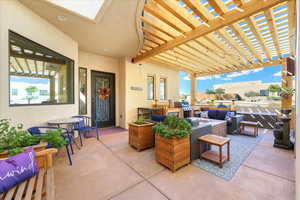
(163, 88)
(150, 87)
(38, 75)
(82, 91)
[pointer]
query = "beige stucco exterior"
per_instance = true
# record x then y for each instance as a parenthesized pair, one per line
(41, 31)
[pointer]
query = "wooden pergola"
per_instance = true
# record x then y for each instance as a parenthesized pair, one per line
(208, 37)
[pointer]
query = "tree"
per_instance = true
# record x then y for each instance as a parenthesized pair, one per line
(274, 88)
(251, 94)
(220, 91)
(30, 92)
(210, 91)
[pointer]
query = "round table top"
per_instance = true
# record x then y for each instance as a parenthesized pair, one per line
(65, 121)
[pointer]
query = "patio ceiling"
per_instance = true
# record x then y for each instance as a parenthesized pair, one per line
(207, 37)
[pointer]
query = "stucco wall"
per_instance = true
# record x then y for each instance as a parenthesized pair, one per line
(101, 64)
(14, 16)
(136, 76)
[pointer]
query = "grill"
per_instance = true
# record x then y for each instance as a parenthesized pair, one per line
(185, 107)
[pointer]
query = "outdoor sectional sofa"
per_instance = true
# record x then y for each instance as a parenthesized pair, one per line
(233, 123)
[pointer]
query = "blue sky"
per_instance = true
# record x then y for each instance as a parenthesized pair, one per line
(267, 75)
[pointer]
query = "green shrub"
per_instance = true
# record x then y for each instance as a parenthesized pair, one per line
(13, 139)
(173, 127)
(140, 121)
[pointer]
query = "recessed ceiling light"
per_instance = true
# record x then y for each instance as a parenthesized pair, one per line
(62, 18)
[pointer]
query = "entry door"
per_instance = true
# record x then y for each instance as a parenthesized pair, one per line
(103, 99)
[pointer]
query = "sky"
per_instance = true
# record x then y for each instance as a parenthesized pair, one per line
(266, 75)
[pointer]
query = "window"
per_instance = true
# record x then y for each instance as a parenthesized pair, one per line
(82, 91)
(163, 88)
(150, 87)
(39, 75)
(264, 93)
(14, 92)
(44, 93)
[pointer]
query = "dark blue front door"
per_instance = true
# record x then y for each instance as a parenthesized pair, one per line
(103, 99)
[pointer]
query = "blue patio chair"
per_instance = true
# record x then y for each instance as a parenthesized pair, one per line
(85, 126)
(66, 134)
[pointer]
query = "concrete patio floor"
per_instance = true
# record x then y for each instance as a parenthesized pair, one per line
(111, 169)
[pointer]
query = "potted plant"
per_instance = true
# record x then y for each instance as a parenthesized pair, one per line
(172, 142)
(14, 140)
(287, 92)
(141, 135)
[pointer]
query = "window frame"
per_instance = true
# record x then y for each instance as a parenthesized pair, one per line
(165, 88)
(154, 86)
(72, 72)
(86, 104)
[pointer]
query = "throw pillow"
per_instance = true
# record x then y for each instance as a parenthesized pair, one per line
(16, 169)
(204, 114)
(229, 115)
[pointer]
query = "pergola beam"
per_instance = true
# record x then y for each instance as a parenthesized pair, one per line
(254, 29)
(177, 12)
(239, 33)
(156, 27)
(271, 25)
(229, 18)
(155, 35)
(249, 67)
(291, 24)
(196, 9)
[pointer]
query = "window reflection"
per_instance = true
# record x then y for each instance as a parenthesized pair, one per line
(37, 74)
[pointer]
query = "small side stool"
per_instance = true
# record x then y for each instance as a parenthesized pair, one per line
(254, 125)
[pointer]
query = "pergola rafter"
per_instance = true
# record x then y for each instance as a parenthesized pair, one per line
(218, 36)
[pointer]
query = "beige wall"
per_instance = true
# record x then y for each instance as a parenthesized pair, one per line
(135, 76)
(14, 16)
(102, 64)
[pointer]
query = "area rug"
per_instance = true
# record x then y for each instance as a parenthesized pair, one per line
(241, 147)
(105, 131)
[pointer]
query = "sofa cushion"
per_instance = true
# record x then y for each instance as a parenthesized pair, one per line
(16, 169)
(212, 114)
(157, 117)
(221, 114)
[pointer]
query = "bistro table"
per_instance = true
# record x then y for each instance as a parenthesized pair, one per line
(69, 122)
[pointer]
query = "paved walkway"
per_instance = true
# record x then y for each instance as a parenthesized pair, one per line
(111, 169)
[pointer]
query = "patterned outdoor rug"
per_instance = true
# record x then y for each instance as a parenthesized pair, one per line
(241, 147)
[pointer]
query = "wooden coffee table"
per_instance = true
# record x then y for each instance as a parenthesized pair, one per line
(212, 155)
(243, 124)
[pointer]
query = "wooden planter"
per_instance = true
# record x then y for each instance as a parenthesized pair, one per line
(37, 148)
(141, 136)
(173, 153)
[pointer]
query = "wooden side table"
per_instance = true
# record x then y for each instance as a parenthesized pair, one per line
(244, 124)
(212, 155)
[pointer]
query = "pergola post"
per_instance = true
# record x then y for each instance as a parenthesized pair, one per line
(286, 82)
(193, 89)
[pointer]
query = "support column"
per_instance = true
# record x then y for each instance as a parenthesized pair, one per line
(193, 89)
(286, 82)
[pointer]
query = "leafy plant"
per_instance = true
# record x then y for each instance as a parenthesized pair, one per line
(173, 127)
(287, 92)
(220, 91)
(274, 88)
(210, 91)
(13, 139)
(140, 121)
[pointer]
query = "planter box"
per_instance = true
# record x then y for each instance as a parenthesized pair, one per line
(40, 161)
(37, 148)
(173, 153)
(141, 136)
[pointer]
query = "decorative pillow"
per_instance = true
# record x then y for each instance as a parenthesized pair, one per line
(229, 115)
(204, 114)
(17, 169)
(194, 122)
